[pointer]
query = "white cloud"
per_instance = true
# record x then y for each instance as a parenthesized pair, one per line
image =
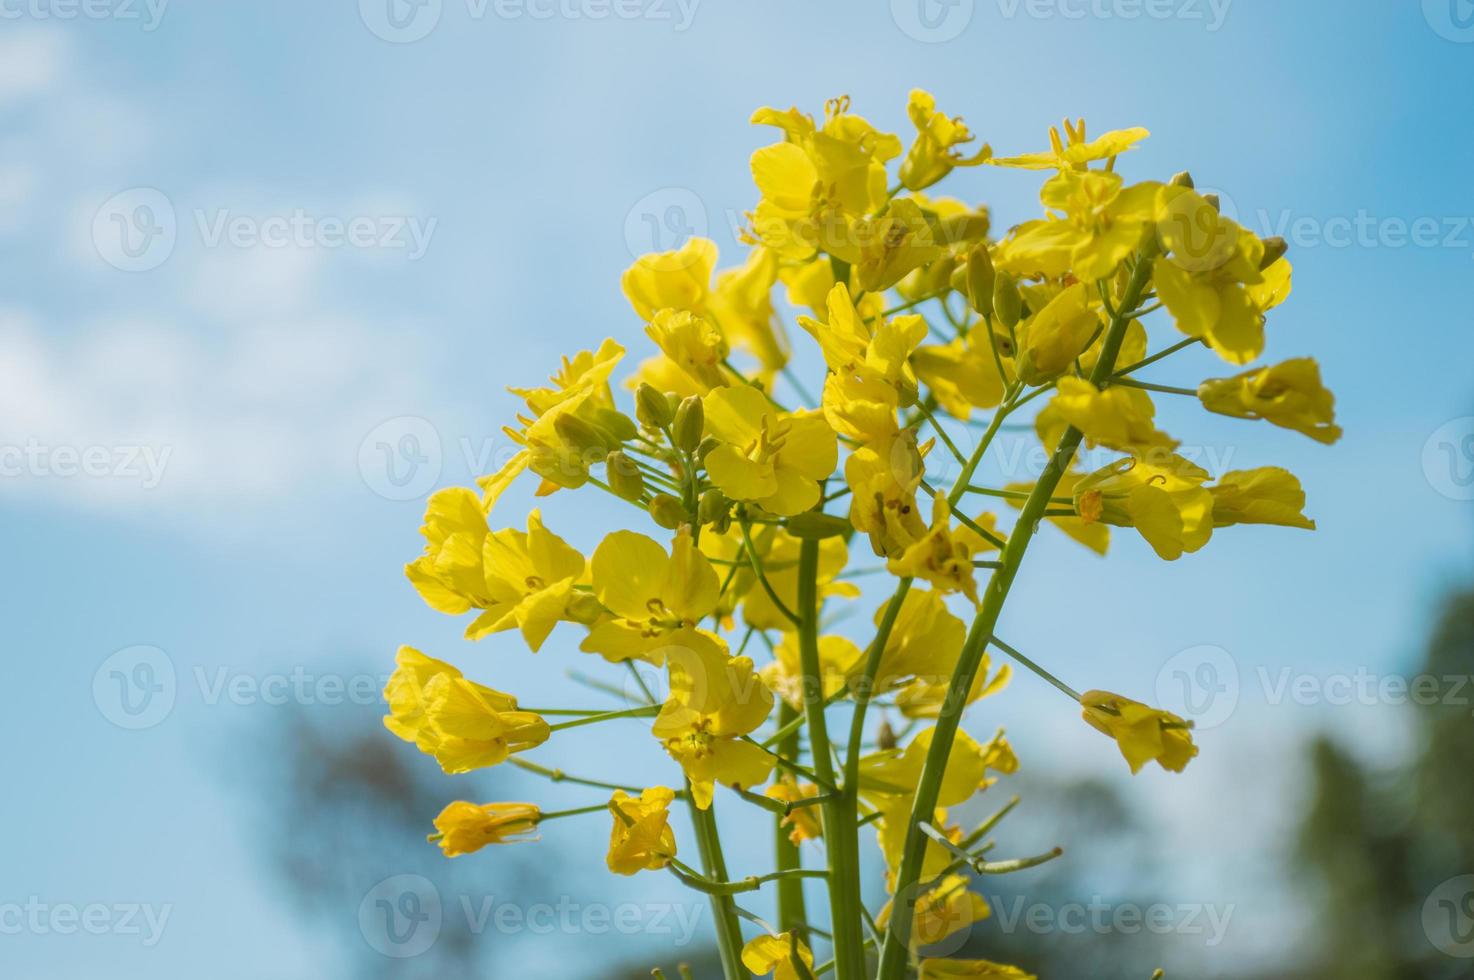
(31, 61)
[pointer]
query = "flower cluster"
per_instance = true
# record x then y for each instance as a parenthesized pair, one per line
(751, 497)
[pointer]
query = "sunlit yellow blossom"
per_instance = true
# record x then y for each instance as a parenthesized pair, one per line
(641, 838)
(773, 458)
(774, 954)
(1267, 495)
(925, 696)
(944, 555)
(778, 550)
(742, 306)
(1289, 395)
(1119, 417)
(964, 373)
(884, 478)
(1163, 498)
(714, 700)
(1096, 221)
(1092, 534)
(838, 658)
(1053, 338)
(887, 247)
(924, 643)
(934, 153)
(529, 578)
(1077, 152)
(464, 828)
(649, 594)
(946, 909)
(675, 280)
(803, 822)
(692, 344)
(1144, 734)
(462, 724)
(855, 342)
(970, 970)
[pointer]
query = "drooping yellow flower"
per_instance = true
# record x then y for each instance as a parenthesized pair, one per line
(923, 645)
(1143, 734)
(839, 657)
(1100, 222)
(580, 390)
(464, 725)
(1210, 280)
(971, 970)
(1053, 338)
(675, 280)
(692, 344)
(641, 838)
(934, 153)
(714, 700)
(767, 456)
(1119, 417)
(650, 594)
(464, 828)
(1289, 395)
(945, 909)
(1267, 495)
(944, 555)
(964, 374)
(775, 954)
(803, 822)
(884, 478)
(1162, 497)
(854, 342)
(530, 576)
(450, 575)
(1078, 152)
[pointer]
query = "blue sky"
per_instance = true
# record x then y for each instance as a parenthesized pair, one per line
(527, 152)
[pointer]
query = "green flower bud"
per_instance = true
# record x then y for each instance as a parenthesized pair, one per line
(584, 608)
(980, 279)
(704, 450)
(689, 421)
(580, 434)
(1008, 302)
(652, 407)
(1183, 179)
(814, 526)
(624, 476)
(713, 507)
(668, 512)
(1274, 250)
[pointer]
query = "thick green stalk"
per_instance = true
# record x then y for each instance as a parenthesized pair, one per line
(841, 841)
(792, 914)
(723, 907)
(893, 950)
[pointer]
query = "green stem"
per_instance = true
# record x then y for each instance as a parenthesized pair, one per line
(1149, 386)
(894, 949)
(723, 908)
(644, 711)
(841, 842)
(559, 776)
(793, 916)
(1180, 345)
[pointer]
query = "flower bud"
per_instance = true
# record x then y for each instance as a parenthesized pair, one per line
(584, 608)
(1275, 248)
(713, 507)
(1213, 202)
(814, 526)
(980, 279)
(704, 450)
(885, 739)
(1183, 179)
(652, 408)
(1008, 303)
(624, 476)
(579, 434)
(689, 421)
(668, 512)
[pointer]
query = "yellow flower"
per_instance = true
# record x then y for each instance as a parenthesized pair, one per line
(772, 458)
(885, 248)
(925, 696)
(970, 970)
(464, 828)
(1054, 337)
(1103, 222)
(934, 153)
(650, 594)
(924, 642)
(1078, 152)
(1143, 734)
(450, 576)
(884, 478)
(530, 576)
(851, 344)
(944, 555)
(1289, 395)
(1210, 280)
(963, 374)
(1119, 417)
(714, 700)
(1267, 495)
(675, 280)
(462, 724)
(1163, 498)
(742, 306)
(838, 659)
(580, 390)
(641, 838)
(1092, 534)
(946, 909)
(779, 551)
(803, 821)
(692, 344)
(774, 954)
